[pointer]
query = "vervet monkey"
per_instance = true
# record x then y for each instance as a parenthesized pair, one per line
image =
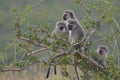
(76, 31)
(68, 14)
(60, 28)
(102, 54)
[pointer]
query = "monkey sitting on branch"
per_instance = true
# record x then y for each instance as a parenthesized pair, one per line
(102, 54)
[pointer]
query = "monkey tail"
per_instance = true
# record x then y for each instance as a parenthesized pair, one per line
(48, 72)
(55, 70)
(75, 67)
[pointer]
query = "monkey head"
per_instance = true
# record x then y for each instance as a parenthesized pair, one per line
(102, 50)
(60, 28)
(68, 14)
(72, 24)
(102, 54)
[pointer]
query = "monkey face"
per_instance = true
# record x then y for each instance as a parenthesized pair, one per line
(102, 50)
(71, 24)
(60, 28)
(68, 14)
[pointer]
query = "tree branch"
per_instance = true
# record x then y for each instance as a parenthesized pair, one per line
(19, 69)
(83, 56)
(35, 52)
(91, 60)
(31, 41)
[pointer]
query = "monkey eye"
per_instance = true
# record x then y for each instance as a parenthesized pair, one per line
(61, 28)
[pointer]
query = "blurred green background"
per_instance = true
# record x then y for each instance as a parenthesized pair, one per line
(53, 9)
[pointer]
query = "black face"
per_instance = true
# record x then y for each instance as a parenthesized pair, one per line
(101, 52)
(70, 26)
(61, 28)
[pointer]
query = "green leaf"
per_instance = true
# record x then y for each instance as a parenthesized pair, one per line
(108, 19)
(77, 1)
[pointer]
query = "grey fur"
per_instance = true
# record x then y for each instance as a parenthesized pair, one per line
(77, 31)
(68, 14)
(60, 28)
(102, 54)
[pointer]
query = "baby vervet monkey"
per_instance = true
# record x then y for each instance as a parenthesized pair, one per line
(102, 54)
(60, 28)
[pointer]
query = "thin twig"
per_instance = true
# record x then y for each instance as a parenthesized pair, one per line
(37, 3)
(116, 45)
(36, 51)
(31, 41)
(116, 23)
(19, 69)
